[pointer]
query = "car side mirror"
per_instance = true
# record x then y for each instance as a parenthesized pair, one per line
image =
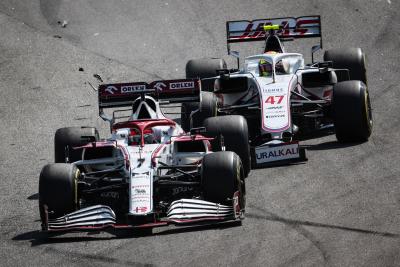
(314, 49)
(236, 55)
(197, 130)
(224, 74)
(324, 66)
(88, 139)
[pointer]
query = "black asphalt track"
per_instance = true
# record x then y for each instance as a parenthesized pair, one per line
(341, 208)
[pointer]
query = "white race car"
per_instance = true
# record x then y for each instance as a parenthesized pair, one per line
(283, 99)
(148, 173)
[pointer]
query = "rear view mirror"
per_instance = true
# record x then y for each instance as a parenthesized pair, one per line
(198, 130)
(236, 55)
(325, 64)
(314, 49)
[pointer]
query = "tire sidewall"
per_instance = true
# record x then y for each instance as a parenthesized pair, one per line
(351, 108)
(58, 189)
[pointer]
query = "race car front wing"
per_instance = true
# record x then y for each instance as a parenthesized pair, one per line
(183, 211)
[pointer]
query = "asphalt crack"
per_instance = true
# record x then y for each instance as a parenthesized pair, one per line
(273, 217)
(297, 225)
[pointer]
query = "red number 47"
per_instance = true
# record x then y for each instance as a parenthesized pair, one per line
(274, 99)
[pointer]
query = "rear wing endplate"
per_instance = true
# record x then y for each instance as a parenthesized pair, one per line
(290, 28)
(167, 91)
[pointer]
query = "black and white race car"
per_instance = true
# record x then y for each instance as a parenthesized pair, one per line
(283, 99)
(148, 173)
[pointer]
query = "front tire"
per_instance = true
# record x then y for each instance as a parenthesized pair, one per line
(352, 114)
(58, 189)
(221, 176)
(235, 134)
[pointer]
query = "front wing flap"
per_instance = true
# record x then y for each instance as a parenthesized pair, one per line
(180, 212)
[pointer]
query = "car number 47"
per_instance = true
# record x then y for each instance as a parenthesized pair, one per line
(274, 99)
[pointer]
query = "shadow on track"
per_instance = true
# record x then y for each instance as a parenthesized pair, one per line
(330, 145)
(33, 197)
(196, 228)
(38, 238)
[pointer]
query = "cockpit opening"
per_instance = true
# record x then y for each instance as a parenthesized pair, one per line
(135, 137)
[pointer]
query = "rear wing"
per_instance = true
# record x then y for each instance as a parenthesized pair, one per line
(289, 28)
(166, 91)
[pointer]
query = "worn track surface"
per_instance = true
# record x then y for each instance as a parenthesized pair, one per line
(341, 208)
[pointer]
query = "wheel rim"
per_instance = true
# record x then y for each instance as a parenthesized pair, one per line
(76, 176)
(368, 110)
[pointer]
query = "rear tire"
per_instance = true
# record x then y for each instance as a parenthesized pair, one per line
(201, 68)
(352, 59)
(352, 114)
(208, 104)
(71, 137)
(221, 176)
(58, 189)
(205, 68)
(235, 134)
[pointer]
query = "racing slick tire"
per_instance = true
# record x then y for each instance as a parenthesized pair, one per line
(221, 176)
(58, 190)
(352, 59)
(69, 137)
(235, 134)
(208, 104)
(205, 68)
(352, 115)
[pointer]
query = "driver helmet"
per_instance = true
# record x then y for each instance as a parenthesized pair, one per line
(265, 68)
(149, 136)
(134, 137)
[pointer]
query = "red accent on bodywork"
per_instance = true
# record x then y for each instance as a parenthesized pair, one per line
(97, 144)
(209, 147)
(143, 125)
(189, 138)
(300, 28)
(328, 94)
(246, 31)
